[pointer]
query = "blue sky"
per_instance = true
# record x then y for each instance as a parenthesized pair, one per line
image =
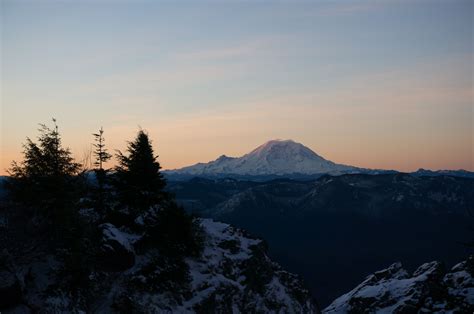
(382, 84)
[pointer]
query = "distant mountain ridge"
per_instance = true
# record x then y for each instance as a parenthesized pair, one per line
(433, 173)
(283, 159)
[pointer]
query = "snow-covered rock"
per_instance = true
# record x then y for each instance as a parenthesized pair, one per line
(276, 157)
(116, 252)
(233, 275)
(429, 289)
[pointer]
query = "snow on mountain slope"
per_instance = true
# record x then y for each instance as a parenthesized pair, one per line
(276, 157)
(430, 289)
(233, 275)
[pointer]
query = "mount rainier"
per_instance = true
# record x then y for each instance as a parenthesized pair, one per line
(276, 157)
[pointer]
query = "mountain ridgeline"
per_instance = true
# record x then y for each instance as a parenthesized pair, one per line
(281, 159)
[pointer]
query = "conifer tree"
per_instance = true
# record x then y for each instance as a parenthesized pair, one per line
(100, 153)
(101, 156)
(44, 159)
(46, 179)
(139, 183)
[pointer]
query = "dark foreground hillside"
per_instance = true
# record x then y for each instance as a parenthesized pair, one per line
(233, 272)
(334, 231)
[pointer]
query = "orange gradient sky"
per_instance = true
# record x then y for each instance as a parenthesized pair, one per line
(374, 84)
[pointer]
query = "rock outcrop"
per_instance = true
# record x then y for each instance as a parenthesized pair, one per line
(429, 289)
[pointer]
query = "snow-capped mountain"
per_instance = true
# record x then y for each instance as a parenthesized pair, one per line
(276, 157)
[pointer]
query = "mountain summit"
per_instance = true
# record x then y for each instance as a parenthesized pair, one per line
(275, 157)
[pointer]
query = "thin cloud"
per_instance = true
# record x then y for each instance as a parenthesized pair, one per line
(248, 48)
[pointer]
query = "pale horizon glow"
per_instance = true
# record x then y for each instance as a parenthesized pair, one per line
(372, 84)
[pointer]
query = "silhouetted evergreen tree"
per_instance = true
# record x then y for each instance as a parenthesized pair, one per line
(47, 176)
(101, 156)
(138, 181)
(140, 187)
(49, 182)
(47, 158)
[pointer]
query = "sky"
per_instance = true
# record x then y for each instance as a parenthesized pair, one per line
(376, 84)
